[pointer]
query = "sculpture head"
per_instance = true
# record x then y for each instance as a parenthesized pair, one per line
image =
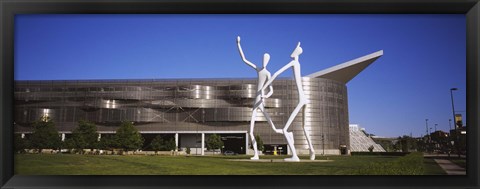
(298, 51)
(266, 58)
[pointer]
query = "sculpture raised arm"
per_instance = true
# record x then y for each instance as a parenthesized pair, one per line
(280, 71)
(243, 56)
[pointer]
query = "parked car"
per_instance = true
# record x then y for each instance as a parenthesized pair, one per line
(229, 153)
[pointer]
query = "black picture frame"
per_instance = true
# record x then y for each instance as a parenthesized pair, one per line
(8, 8)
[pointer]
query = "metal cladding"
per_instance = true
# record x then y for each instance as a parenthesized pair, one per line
(197, 105)
(186, 105)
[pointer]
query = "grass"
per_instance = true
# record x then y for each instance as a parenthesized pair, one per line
(432, 168)
(70, 164)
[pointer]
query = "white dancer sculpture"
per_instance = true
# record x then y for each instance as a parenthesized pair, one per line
(302, 103)
(263, 76)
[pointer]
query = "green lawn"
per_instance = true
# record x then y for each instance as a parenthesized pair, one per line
(432, 168)
(69, 164)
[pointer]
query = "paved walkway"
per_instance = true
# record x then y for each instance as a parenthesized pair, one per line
(279, 160)
(450, 167)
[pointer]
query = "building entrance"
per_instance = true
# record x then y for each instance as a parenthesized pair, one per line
(234, 143)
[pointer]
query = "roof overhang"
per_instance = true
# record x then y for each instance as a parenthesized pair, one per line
(346, 71)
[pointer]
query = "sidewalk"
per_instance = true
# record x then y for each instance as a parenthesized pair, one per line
(450, 168)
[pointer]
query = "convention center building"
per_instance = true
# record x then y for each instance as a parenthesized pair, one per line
(190, 110)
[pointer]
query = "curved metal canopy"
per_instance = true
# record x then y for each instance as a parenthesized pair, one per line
(346, 71)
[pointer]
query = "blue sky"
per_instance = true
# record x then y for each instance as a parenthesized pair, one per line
(424, 55)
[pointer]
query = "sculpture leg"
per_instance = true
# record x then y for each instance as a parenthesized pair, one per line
(252, 136)
(270, 122)
(289, 135)
(307, 135)
(290, 142)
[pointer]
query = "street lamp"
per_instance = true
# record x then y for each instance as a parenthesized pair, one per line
(454, 121)
(450, 123)
(323, 144)
(453, 106)
(436, 127)
(426, 127)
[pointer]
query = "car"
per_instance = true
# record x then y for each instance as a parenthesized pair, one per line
(228, 152)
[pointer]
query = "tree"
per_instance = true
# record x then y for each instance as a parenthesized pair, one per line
(386, 144)
(45, 135)
(259, 142)
(20, 143)
(370, 149)
(69, 145)
(85, 136)
(107, 142)
(408, 144)
(158, 144)
(421, 145)
(128, 137)
(214, 142)
(170, 144)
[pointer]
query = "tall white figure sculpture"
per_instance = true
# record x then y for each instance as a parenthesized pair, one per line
(302, 103)
(259, 104)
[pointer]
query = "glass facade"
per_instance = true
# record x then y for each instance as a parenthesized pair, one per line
(188, 105)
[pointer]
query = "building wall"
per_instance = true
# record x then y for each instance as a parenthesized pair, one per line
(187, 105)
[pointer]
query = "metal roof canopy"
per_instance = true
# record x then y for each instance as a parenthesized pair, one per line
(346, 71)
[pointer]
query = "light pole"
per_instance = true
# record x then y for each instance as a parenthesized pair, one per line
(196, 142)
(450, 123)
(453, 106)
(454, 121)
(426, 127)
(436, 127)
(323, 145)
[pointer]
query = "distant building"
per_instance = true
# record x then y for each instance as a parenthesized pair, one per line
(189, 110)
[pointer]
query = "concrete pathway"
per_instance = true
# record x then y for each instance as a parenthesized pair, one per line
(450, 167)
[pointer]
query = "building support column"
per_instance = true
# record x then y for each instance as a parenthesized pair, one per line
(246, 143)
(176, 141)
(203, 144)
(99, 137)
